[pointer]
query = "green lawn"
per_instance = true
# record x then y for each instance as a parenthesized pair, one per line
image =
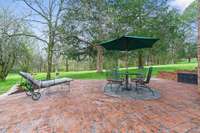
(15, 78)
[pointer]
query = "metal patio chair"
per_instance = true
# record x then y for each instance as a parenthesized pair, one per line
(143, 82)
(114, 77)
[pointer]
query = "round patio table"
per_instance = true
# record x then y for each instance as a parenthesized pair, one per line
(127, 74)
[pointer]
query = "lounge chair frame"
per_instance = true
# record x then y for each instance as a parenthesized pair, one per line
(32, 87)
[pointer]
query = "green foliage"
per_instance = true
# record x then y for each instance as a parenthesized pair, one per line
(191, 12)
(97, 21)
(189, 17)
(10, 46)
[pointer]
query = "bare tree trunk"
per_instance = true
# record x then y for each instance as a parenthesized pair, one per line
(49, 60)
(189, 59)
(2, 76)
(51, 15)
(99, 65)
(117, 62)
(4, 72)
(140, 61)
(5, 67)
(66, 65)
(198, 45)
(126, 61)
(40, 66)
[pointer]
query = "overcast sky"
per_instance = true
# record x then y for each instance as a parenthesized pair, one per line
(181, 4)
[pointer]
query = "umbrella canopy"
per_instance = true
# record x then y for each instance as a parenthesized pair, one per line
(128, 43)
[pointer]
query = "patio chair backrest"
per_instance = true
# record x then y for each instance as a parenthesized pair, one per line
(29, 78)
(112, 74)
(149, 73)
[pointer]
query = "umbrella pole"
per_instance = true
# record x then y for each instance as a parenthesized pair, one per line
(126, 61)
(127, 78)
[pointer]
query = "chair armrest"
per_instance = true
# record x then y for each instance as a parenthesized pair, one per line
(137, 79)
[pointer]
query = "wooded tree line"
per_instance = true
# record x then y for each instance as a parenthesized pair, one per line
(70, 31)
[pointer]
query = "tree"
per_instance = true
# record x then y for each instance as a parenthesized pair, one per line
(190, 18)
(99, 58)
(153, 18)
(25, 55)
(89, 20)
(189, 51)
(48, 14)
(190, 13)
(9, 46)
(198, 45)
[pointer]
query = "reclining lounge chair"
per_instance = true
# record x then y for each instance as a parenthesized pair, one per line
(32, 84)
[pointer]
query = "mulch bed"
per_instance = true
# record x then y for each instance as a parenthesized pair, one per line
(171, 75)
(16, 89)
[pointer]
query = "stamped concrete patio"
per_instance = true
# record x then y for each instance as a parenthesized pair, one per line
(87, 110)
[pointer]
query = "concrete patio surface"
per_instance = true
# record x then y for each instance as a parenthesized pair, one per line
(87, 110)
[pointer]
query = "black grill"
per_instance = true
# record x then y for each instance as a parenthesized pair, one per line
(190, 78)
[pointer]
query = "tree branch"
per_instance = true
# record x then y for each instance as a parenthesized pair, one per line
(28, 35)
(41, 14)
(82, 40)
(37, 21)
(40, 7)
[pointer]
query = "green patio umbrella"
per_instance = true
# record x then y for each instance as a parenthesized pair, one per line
(128, 43)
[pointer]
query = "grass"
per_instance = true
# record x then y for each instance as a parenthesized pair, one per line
(15, 78)
(185, 61)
